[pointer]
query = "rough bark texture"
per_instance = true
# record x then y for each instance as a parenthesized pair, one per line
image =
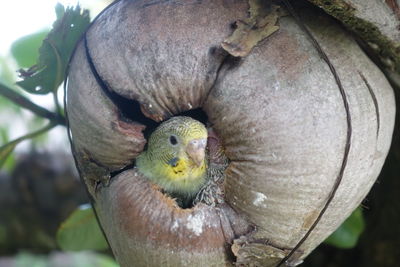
(376, 22)
(283, 121)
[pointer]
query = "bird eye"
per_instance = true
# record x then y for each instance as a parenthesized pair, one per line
(173, 140)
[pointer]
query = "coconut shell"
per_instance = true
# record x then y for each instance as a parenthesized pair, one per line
(278, 111)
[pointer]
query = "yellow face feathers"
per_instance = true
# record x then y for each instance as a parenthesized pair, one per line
(175, 158)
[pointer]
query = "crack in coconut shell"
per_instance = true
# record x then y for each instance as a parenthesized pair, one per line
(375, 101)
(346, 151)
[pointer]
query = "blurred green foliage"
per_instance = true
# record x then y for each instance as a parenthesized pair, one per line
(81, 231)
(44, 55)
(347, 235)
(7, 74)
(55, 51)
(7, 149)
(48, 53)
(81, 259)
(25, 50)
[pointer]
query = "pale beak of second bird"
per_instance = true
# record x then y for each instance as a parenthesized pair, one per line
(196, 150)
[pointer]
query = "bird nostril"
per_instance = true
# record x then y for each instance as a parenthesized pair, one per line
(198, 143)
(204, 142)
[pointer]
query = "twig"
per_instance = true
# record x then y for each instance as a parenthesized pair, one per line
(6, 149)
(34, 134)
(57, 103)
(27, 104)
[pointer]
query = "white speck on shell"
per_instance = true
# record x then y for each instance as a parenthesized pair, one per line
(150, 105)
(174, 225)
(259, 199)
(276, 86)
(195, 223)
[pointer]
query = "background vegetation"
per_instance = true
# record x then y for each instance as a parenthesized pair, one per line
(42, 219)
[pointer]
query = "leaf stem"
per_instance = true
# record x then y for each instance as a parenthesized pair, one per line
(6, 149)
(36, 133)
(24, 102)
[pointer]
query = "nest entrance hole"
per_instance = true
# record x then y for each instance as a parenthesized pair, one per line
(130, 111)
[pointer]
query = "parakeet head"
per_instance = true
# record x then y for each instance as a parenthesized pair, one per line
(175, 157)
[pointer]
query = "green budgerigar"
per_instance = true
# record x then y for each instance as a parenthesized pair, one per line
(175, 158)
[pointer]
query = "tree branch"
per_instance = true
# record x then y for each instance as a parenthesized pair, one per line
(27, 104)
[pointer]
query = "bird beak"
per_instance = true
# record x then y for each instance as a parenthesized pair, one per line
(196, 150)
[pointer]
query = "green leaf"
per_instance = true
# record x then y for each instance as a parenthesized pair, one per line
(25, 50)
(56, 49)
(346, 236)
(81, 231)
